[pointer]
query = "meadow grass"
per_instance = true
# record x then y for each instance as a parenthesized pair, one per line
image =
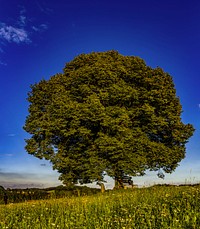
(155, 207)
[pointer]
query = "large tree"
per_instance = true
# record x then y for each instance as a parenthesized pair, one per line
(107, 114)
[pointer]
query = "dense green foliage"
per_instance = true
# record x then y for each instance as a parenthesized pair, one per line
(107, 113)
(150, 208)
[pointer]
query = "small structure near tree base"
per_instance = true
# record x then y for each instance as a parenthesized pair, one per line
(125, 182)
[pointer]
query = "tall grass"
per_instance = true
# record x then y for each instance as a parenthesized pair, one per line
(156, 207)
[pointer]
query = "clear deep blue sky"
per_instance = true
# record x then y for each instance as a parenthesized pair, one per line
(38, 37)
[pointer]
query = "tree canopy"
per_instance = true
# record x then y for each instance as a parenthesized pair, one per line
(106, 114)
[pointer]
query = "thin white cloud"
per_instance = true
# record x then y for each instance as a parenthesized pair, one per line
(22, 20)
(20, 32)
(3, 63)
(43, 8)
(44, 26)
(40, 28)
(36, 29)
(9, 154)
(23, 10)
(12, 34)
(11, 135)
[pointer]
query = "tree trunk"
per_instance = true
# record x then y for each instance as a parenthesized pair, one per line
(101, 184)
(118, 183)
(102, 188)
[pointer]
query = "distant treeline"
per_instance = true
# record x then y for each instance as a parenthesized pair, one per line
(22, 195)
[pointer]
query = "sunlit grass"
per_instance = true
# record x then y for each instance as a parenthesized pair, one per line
(156, 207)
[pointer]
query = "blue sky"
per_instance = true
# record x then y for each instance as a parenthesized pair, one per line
(37, 38)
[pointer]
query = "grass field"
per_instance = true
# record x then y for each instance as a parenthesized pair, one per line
(157, 207)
